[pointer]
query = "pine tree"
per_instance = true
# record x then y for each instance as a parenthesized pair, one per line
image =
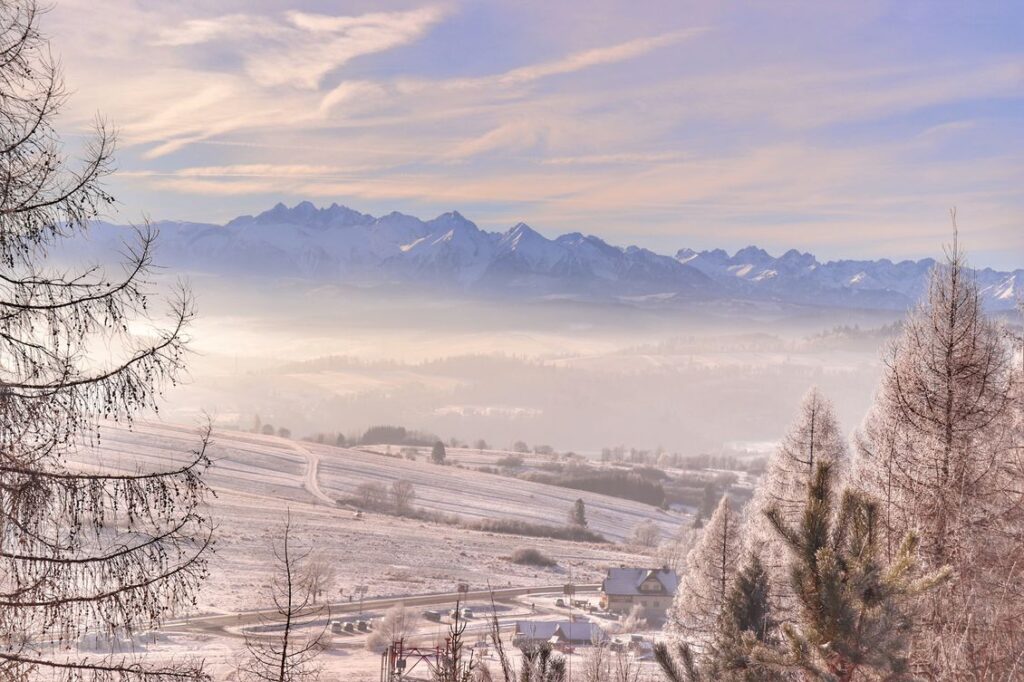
(855, 613)
(940, 452)
(711, 569)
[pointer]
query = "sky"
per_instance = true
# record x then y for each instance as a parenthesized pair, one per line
(845, 129)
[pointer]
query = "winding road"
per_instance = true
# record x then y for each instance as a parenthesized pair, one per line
(230, 624)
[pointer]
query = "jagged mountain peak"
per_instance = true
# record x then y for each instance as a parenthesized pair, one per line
(338, 243)
(305, 214)
(752, 252)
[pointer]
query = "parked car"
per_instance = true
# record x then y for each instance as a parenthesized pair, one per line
(362, 626)
(433, 616)
(350, 627)
(467, 613)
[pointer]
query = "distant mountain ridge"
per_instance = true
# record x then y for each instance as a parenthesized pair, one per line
(339, 244)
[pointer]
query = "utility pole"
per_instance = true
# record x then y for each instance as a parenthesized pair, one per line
(569, 590)
(361, 591)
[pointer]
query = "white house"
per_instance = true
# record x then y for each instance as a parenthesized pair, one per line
(556, 632)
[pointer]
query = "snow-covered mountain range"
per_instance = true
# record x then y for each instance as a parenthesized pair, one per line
(338, 244)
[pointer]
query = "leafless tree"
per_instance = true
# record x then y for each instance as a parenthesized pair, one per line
(318, 574)
(285, 646)
(89, 551)
(941, 452)
(646, 534)
(402, 496)
(813, 437)
(601, 664)
(397, 623)
(372, 495)
(672, 551)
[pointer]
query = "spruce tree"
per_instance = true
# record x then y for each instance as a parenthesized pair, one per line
(748, 607)
(745, 625)
(711, 569)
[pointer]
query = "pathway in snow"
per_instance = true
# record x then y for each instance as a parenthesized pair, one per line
(312, 482)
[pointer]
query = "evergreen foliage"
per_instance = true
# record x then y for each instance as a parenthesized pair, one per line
(438, 453)
(578, 514)
(855, 613)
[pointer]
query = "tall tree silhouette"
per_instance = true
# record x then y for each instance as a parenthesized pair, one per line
(940, 451)
(80, 551)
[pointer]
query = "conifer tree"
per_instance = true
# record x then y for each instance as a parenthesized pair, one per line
(855, 612)
(711, 569)
(814, 437)
(748, 607)
(437, 453)
(745, 625)
(940, 452)
(578, 514)
(283, 648)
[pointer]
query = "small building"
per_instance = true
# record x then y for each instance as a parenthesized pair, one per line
(652, 589)
(559, 633)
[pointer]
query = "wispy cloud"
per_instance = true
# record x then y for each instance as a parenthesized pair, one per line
(612, 159)
(299, 49)
(579, 61)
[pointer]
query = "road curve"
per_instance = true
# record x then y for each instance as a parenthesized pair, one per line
(219, 624)
(312, 480)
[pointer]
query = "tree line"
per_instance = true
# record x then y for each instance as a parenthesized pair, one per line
(898, 558)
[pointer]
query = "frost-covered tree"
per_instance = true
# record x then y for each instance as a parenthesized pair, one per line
(711, 570)
(672, 552)
(396, 624)
(941, 452)
(403, 494)
(646, 534)
(813, 438)
(81, 551)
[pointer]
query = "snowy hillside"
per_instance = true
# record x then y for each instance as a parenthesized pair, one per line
(276, 468)
(339, 245)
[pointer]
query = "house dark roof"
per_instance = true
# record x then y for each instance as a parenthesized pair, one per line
(581, 631)
(625, 582)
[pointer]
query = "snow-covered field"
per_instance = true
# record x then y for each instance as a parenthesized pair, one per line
(258, 478)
